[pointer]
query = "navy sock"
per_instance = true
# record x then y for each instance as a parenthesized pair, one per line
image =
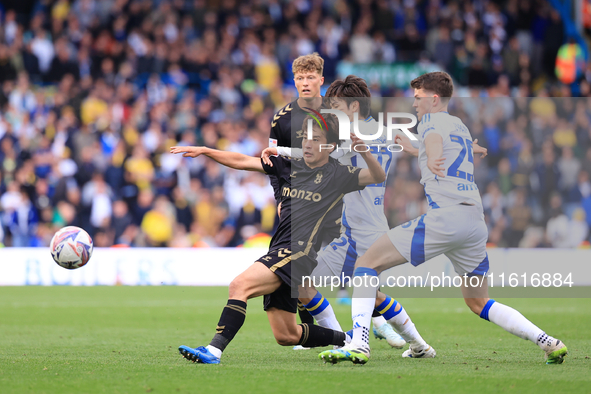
(314, 336)
(231, 321)
(305, 315)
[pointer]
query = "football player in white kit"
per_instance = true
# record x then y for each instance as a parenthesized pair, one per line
(454, 225)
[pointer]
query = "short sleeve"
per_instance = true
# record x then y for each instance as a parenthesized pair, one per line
(279, 164)
(348, 178)
(430, 125)
(275, 133)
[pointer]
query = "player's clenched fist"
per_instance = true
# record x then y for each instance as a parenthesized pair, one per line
(479, 149)
(188, 151)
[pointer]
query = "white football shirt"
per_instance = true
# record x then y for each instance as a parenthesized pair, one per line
(458, 184)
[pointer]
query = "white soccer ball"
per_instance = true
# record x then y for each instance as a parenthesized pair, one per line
(71, 247)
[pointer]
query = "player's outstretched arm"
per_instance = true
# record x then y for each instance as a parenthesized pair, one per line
(234, 160)
(434, 150)
(280, 150)
(374, 173)
(479, 149)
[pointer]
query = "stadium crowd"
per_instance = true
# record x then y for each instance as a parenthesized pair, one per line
(93, 94)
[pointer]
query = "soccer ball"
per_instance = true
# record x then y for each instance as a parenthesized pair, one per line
(71, 247)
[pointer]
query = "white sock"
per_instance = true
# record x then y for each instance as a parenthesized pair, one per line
(404, 326)
(326, 318)
(545, 341)
(214, 350)
(378, 321)
(363, 304)
(361, 310)
(514, 322)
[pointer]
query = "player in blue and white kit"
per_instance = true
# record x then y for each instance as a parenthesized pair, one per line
(363, 219)
(454, 225)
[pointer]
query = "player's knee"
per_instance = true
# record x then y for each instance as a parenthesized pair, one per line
(476, 304)
(378, 263)
(287, 338)
(238, 289)
(363, 261)
(381, 297)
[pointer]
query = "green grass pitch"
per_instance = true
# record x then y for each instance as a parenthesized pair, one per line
(125, 339)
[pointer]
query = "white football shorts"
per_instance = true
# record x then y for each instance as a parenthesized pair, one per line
(338, 258)
(458, 231)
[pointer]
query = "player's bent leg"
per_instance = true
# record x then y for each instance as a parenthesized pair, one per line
(397, 317)
(381, 328)
(512, 321)
(284, 326)
(288, 333)
(305, 317)
(303, 313)
(331, 262)
(320, 309)
(381, 256)
(306, 293)
(317, 307)
(256, 280)
(476, 297)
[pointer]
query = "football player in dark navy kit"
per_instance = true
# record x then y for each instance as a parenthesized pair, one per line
(286, 131)
(286, 126)
(321, 184)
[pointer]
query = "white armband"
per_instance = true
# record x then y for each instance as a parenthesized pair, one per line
(290, 152)
(283, 151)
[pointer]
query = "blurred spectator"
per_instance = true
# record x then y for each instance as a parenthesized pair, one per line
(121, 219)
(42, 48)
(158, 222)
(93, 94)
(62, 64)
(578, 228)
(361, 44)
(7, 69)
(22, 99)
(547, 175)
(444, 48)
(97, 196)
(384, 51)
(557, 229)
(23, 221)
(569, 167)
(520, 217)
(411, 44)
